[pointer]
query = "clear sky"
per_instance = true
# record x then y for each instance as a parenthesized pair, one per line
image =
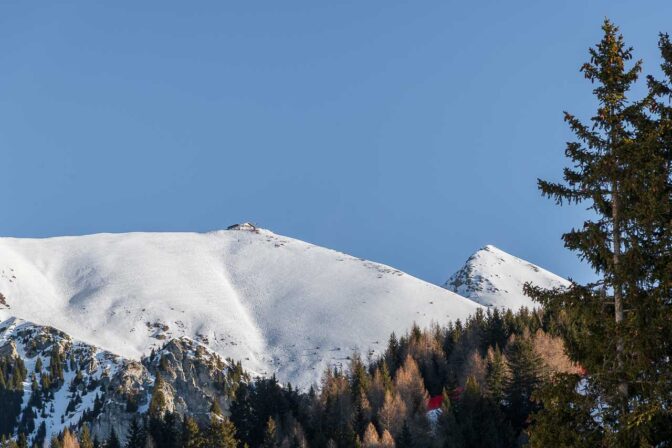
(406, 132)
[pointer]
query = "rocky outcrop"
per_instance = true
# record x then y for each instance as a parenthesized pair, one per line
(108, 392)
(126, 395)
(196, 376)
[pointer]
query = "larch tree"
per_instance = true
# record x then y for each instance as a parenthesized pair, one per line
(85, 440)
(370, 438)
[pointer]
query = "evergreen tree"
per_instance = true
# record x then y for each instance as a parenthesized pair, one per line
(448, 428)
(221, 433)
(617, 328)
(191, 434)
(166, 430)
(565, 421)
(136, 435)
(242, 413)
(41, 434)
(496, 374)
(113, 441)
(479, 419)
(405, 440)
(271, 434)
(157, 405)
(524, 377)
(22, 441)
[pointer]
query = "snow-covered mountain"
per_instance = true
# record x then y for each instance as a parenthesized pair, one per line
(493, 277)
(278, 304)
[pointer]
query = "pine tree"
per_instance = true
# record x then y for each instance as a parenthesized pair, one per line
(136, 435)
(618, 327)
(23, 441)
(524, 377)
(447, 424)
(565, 420)
(221, 433)
(405, 439)
(191, 434)
(495, 374)
(113, 441)
(41, 434)
(270, 434)
(157, 405)
(215, 408)
(480, 421)
(242, 413)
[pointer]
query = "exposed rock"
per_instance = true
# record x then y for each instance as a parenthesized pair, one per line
(9, 350)
(192, 378)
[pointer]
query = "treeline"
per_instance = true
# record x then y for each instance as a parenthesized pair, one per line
(482, 373)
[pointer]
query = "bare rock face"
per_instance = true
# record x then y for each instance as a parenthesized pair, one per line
(191, 378)
(196, 377)
(108, 392)
(126, 394)
(9, 350)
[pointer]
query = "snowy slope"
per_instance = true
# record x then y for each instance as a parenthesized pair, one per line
(492, 277)
(278, 304)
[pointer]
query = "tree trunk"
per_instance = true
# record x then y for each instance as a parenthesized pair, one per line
(618, 292)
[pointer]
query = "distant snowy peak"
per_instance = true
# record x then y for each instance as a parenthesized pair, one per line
(493, 277)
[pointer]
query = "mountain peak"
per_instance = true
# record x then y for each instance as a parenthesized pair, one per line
(235, 291)
(493, 277)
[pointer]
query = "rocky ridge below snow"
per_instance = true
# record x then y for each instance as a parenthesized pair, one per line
(106, 391)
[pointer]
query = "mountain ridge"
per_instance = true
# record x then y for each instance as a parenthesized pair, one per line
(278, 304)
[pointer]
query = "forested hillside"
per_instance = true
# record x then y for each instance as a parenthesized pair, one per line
(478, 376)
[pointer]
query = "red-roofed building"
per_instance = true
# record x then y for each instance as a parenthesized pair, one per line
(434, 402)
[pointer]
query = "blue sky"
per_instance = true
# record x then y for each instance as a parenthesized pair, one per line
(409, 133)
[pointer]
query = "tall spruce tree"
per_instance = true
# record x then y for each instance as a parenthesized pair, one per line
(136, 435)
(113, 441)
(617, 327)
(270, 434)
(495, 374)
(523, 379)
